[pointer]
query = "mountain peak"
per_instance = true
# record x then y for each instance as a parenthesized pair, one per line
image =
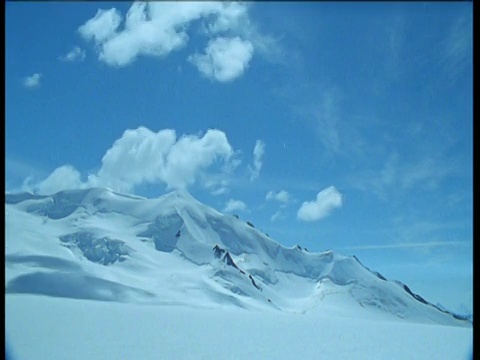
(82, 239)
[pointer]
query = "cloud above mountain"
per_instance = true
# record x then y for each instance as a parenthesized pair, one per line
(327, 200)
(62, 178)
(142, 156)
(281, 196)
(234, 205)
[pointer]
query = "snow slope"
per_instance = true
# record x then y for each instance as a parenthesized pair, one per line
(95, 244)
(39, 327)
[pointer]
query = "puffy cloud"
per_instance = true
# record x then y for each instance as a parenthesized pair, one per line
(158, 28)
(76, 54)
(33, 81)
(225, 59)
(102, 26)
(151, 28)
(282, 196)
(138, 156)
(62, 178)
(142, 156)
(327, 200)
(258, 153)
(233, 16)
(234, 205)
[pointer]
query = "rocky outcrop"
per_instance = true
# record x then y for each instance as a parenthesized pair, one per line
(103, 250)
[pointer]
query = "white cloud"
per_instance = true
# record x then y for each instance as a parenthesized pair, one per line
(234, 205)
(76, 54)
(62, 178)
(233, 16)
(33, 81)
(327, 200)
(258, 153)
(151, 28)
(275, 216)
(225, 59)
(282, 196)
(158, 28)
(142, 156)
(102, 26)
(219, 191)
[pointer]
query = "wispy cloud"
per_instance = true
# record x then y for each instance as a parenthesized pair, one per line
(219, 191)
(429, 244)
(282, 196)
(20, 169)
(327, 200)
(76, 54)
(258, 153)
(234, 205)
(275, 216)
(396, 39)
(21, 176)
(457, 48)
(33, 81)
(321, 107)
(397, 177)
(325, 113)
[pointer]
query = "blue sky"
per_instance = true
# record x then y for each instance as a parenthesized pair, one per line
(344, 126)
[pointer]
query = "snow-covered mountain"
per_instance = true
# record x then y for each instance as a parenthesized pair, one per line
(102, 245)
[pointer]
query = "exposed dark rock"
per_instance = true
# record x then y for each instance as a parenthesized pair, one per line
(250, 224)
(253, 282)
(380, 276)
(218, 252)
(229, 261)
(104, 251)
(415, 296)
(227, 258)
(463, 317)
(376, 273)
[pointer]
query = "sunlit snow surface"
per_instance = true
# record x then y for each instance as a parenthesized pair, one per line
(52, 328)
(96, 274)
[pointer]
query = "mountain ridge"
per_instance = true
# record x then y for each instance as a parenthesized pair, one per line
(121, 242)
